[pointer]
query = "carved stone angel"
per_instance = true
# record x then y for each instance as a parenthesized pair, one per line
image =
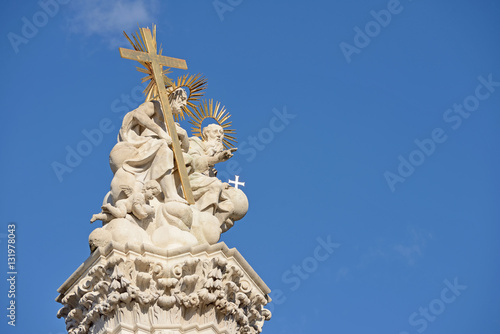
(135, 203)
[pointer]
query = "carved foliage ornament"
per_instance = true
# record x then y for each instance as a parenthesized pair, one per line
(193, 291)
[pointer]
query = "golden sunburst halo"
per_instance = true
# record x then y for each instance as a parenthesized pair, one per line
(195, 86)
(151, 90)
(208, 110)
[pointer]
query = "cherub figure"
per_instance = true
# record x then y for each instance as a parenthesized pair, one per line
(135, 203)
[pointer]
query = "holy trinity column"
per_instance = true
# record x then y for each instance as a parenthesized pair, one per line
(156, 264)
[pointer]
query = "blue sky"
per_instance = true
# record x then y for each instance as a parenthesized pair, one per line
(368, 134)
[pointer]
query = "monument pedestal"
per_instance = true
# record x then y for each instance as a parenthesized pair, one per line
(147, 290)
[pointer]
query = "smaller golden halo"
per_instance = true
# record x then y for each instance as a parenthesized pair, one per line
(195, 86)
(207, 110)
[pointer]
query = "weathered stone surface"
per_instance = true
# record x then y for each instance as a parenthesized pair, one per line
(144, 203)
(146, 289)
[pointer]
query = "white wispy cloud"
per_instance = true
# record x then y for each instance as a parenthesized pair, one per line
(108, 19)
(408, 249)
(411, 250)
(342, 273)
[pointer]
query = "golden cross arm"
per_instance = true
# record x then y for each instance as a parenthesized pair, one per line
(157, 63)
(150, 57)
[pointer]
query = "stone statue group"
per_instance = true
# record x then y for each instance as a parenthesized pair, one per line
(145, 203)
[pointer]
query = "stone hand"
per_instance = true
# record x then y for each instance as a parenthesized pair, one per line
(225, 155)
(166, 137)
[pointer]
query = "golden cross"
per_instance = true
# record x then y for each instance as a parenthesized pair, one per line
(157, 62)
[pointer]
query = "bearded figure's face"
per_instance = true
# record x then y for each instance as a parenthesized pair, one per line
(213, 133)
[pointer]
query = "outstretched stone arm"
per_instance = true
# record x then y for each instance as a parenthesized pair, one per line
(118, 211)
(221, 156)
(143, 115)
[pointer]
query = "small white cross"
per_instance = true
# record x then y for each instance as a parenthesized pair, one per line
(236, 182)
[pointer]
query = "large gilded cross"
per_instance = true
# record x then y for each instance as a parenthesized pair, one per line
(157, 62)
